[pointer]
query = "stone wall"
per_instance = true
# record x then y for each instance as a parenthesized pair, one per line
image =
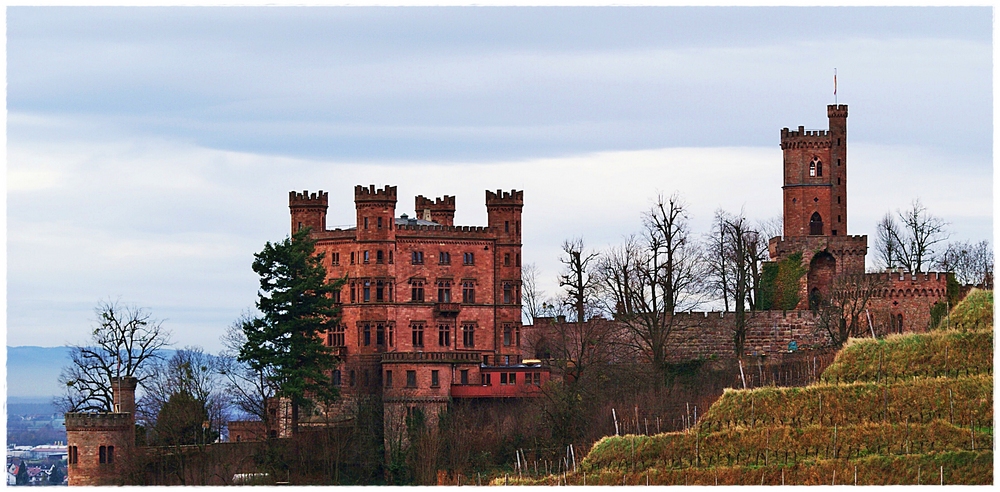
(710, 335)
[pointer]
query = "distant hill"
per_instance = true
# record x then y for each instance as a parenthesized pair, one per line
(33, 372)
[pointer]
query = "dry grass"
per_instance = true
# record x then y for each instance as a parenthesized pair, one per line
(945, 353)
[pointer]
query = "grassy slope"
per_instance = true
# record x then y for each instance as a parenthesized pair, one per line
(892, 411)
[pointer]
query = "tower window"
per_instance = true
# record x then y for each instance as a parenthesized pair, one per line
(388, 379)
(334, 259)
(816, 167)
(435, 378)
(444, 258)
(506, 226)
(379, 223)
(366, 222)
(337, 338)
(468, 292)
(366, 330)
(379, 256)
(444, 291)
(506, 259)
(417, 258)
(468, 258)
(367, 257)
(411, 379)
(468, 335)
(367, 291)
(444, 335)
(417, 291)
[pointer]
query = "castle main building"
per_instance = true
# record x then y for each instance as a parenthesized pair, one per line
(430, 310)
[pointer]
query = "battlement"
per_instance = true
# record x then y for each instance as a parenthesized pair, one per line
(504, 198)
(802, 132)
(836, 111)
(304, 199)
(925, 277)
(855, 243)
(370, 194)
(98, 421)
(444, 231)
(692, 316)
(442, 203)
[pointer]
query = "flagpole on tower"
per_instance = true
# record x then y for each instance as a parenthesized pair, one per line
(835, 86)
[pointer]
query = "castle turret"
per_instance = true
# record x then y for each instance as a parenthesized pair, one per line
(441, 210)
(815, 178)
(376, 211)
(308, 210)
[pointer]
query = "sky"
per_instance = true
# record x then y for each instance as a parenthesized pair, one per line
(150, 151)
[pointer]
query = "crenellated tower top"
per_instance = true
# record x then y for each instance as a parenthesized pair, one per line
(370, 194)
(440, 210)
(308, 210)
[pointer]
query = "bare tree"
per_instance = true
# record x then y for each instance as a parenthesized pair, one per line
(576, 278)
(644, 281)
(971, 263)
(718, 262)
(842, 310)
(911, 243)
(125, 340)
(190, 372)
(887, 248)
(248, 389)
(531, 295)
(741, 244)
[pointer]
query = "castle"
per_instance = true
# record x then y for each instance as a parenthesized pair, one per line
(431, 311)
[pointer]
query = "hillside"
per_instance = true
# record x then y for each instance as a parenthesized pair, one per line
(907, 409)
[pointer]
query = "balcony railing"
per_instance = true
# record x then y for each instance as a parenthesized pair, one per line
(432, 357)
(449, 308)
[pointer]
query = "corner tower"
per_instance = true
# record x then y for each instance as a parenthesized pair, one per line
(308, 210)
(815, 178)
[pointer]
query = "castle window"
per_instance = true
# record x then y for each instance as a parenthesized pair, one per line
(336, 296)
(337, 336)
(517, 259)
(417, 291)
(517, 227)
(464, 376)
(468, 258)
(506, 226)
(354, 292)
(503, 378)
(444, 258)
(469, 292)
(506, 259)
(103, 452)
(444, 335)
(538, 379)
(388, 379)
(512, 379)
(815, 225)
(366, 330)
(390, 257)
(838, 198)
(411, 379)
(366, 222)
(352, 257)
(335, 378)
(379, 257)
(444, 291)
(334, 259)
(816, 167)
(417, 258)
(367, 258)
(435, 378)
(380, 334)
(508, 334)
(300, 227)
(72, 455)
(379, 223)
(379, 291)
(468, 335)
(487, 379)
(351, 374)
(417, 331)
(392, 333)
(508, 293)
(367, 290)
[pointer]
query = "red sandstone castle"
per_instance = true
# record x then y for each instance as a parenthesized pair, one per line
(431, 311)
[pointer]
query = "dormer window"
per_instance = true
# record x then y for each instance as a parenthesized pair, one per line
(816, 168)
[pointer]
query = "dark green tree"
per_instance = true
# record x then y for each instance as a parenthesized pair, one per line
(296, 305)
(22, 474)
(181, 420)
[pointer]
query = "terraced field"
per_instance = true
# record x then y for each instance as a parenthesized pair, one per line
(907, 409)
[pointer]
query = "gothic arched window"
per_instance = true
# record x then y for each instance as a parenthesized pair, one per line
(815, 225)
(816, 167)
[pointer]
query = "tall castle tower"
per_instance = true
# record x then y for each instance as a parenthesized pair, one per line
(815, 206)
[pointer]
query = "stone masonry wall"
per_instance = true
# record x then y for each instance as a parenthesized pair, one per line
(707, 335)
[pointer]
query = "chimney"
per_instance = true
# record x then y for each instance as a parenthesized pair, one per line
(123, 394)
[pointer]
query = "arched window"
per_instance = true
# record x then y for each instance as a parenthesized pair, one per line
(815, 167)
(815, 225)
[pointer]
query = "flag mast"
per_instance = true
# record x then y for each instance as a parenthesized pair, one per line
(835, 86)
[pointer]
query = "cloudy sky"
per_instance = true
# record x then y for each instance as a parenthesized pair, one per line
(150, 151)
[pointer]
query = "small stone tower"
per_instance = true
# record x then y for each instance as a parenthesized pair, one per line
(101, 446)
(308, 210)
